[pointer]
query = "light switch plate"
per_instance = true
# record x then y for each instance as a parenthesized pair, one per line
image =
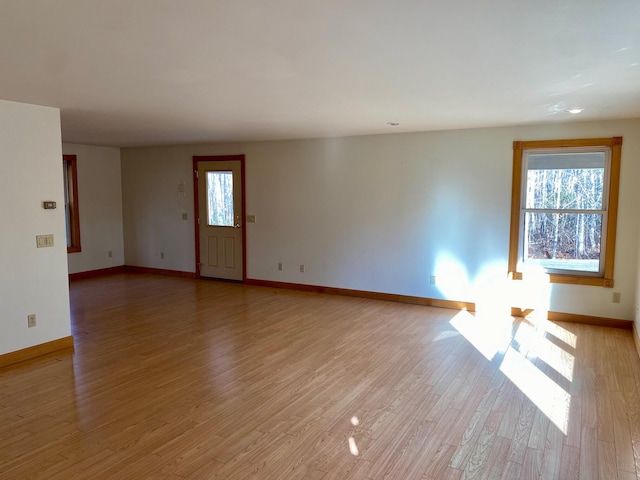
(44, 240)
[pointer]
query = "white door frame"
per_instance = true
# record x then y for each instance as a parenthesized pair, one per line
(196, 205)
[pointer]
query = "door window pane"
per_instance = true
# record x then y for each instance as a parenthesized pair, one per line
(220, 199)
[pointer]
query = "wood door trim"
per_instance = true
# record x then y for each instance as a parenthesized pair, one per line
(196, 205)
(72, 164)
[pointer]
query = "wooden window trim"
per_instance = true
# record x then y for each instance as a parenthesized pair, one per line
(615, 144)
(72, 175)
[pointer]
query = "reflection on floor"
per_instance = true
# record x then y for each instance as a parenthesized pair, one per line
(174, 378)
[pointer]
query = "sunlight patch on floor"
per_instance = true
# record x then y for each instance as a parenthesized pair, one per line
(487, 336)
(561, 334)
(445, 335)
(533, 343)
(548, 396)
(492, 335)
(353, 448)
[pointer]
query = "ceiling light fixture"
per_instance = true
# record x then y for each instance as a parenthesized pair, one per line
(575, 111)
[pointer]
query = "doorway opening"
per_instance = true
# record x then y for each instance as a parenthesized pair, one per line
(219, 213)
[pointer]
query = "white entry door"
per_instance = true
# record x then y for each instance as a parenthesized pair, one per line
(220, 219)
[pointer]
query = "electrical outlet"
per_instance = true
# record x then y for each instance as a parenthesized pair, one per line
(185, 216)
(162, 255)
(301, 268)
(432, 280)
(31, 320)
(615, 298)
(109, 254)
(279, 266)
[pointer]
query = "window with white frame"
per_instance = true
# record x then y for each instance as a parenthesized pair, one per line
(564, 209)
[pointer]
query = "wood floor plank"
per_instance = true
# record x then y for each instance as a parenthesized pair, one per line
(496, 462)
(570, 463)
(539, 429)
(511, 471)
(574, 423)
(589, 459)
(439, 466)
(604, 410)
(622, 433)
(520, 440)
(607, 460)
(552, 453)
(636, 455)
(532, 464)
(589, 414)
(480, 460)
(397, 462)
(632, 403)
(622, 475)
(174, 378)
(474, 429)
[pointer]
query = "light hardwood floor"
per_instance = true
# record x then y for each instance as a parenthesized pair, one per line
(175, 378)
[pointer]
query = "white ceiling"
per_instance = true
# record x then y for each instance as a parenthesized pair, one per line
(148, 72)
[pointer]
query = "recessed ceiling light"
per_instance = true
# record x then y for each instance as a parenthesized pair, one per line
(575, 111)
(393, 124)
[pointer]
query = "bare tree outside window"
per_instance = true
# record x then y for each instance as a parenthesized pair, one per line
(220, 199)
(564, 210)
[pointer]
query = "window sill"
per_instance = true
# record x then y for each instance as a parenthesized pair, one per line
(572, 279)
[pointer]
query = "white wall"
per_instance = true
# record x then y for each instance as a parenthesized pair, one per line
(153, 208)
(32, 280)
(379, 213)
(100, 202)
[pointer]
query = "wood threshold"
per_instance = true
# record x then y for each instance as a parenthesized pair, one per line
(62, 344)
(100, 272)
(159, 271)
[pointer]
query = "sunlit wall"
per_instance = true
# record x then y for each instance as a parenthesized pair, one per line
(380, 213)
